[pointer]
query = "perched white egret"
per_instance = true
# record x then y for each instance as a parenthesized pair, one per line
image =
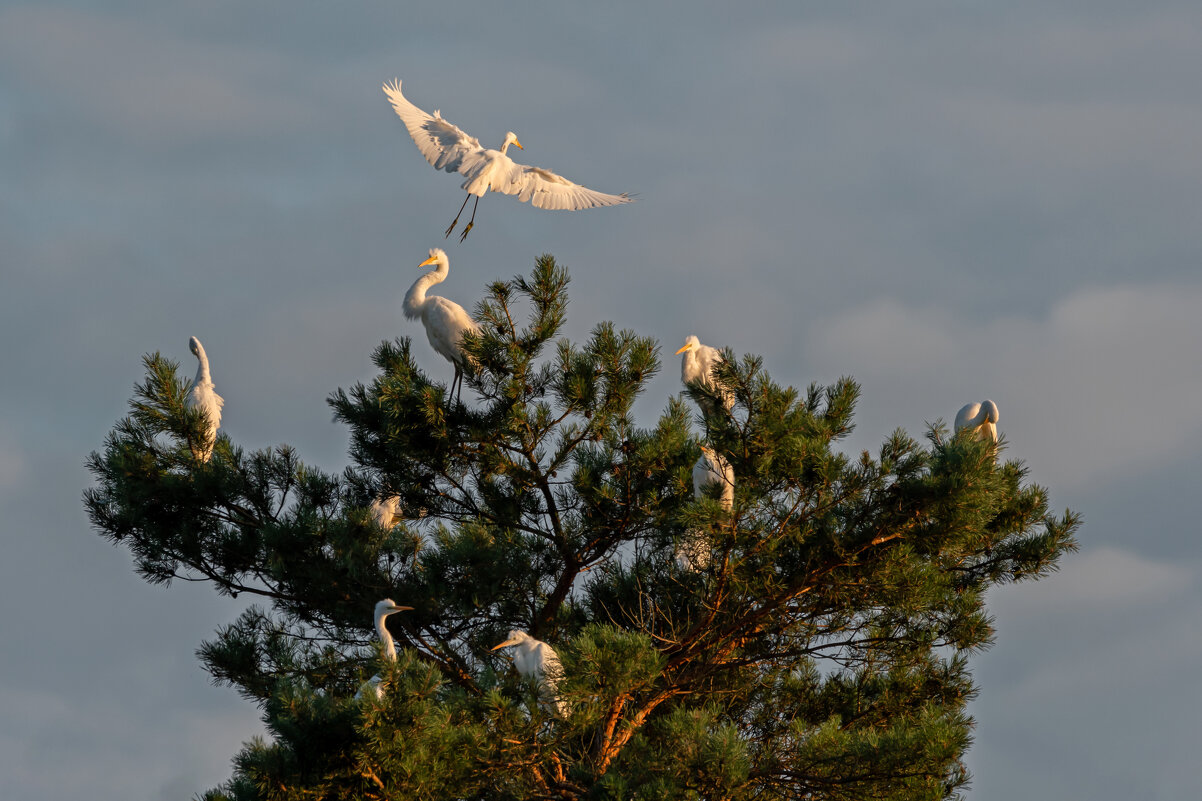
(536, 660)
(698, 364)
(710, 468)
(203, 397)
(981, 417)
(383, 609)
(383, 510)
(448, 148)
(445, 320)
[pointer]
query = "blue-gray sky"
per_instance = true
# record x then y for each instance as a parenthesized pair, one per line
(948, 201)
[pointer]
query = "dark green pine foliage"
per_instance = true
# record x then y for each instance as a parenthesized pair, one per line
(821, 654)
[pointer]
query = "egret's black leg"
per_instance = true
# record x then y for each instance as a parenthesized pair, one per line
(455, 221)
(472, 221)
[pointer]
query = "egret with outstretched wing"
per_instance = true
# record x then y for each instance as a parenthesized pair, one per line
(448, 148)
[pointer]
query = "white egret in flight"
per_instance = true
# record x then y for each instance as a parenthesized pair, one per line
(383, 609)
(698, 364)
(448, 148)
(383, 511)
(981, 417)
(536, 660)
(204, 398)
(445, 320)
(711, 468)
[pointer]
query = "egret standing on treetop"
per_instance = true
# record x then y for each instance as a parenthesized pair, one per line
(981, 417)
(445, 320)
(205, 399)
(448, 148)
(383, 609)
(698, 364)
(536, 660)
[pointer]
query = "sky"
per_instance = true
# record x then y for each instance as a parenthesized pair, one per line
(948, 201)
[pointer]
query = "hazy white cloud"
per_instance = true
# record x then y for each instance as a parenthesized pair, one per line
(1096, 387)
(1100, 580)
(1083, 672)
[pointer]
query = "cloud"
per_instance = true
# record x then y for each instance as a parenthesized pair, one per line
(62, 745)
(1100, 579)
(146, 82)
(1093, 649)
(1096, 388)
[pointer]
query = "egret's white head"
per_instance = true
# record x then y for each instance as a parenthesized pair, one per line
(511, 139)
(437, 256)
(194, 346)
(515, 638)
(388, 606)
(690, 342)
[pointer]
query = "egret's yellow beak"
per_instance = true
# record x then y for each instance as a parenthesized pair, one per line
(430, 260)
(682, 350)
(519, 144)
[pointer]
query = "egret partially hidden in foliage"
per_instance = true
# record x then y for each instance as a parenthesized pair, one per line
(448, 148)
(536, 660)
(697, 365)
(383, 609)
(383, 511)
(445, 321)
(710, 468)
(980, 418)
(204, 398)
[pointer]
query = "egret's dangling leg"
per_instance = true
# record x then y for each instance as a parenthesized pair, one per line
(472, 221)
(456, 385)
(455, 221)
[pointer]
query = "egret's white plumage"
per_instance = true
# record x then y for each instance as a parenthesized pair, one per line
(980, 417)
(383, 510)
(698, 364)
(383, 609)
(445, 320)
(204, 398)
(536, 660)
(710, 468)
(448, 148)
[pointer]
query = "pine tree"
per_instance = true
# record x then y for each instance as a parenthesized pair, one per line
(821, 652)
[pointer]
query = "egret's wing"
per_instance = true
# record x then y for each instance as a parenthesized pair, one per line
(546, 190)
(443, 144)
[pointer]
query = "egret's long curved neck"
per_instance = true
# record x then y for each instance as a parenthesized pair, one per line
(415, 298)
(385, 637)
(202, 371)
